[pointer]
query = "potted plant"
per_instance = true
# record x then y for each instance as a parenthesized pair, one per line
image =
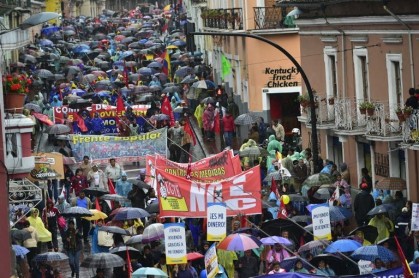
(331, 101)
(16, 86)
(400, 115)
(370, 108)
(407, 111)
(363, 107)
(304, 100)
(204, 14)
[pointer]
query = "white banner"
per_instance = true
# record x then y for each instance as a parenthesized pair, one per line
(321, 222)
(365, 267)
(216, 221)
(175, 243)
(415, 217)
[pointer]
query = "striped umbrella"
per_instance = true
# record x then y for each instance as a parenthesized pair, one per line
(102, 260)
(239, 242)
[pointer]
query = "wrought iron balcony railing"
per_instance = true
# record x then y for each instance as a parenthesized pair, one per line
(325, 113)
(223, 18)
(347, 115)
(383, 121)
(268, 18)
(410, 130)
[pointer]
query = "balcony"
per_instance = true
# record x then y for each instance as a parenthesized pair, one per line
(268, 18)
(14, 39)
(410, 129)
(325, 115)
(231, 19)
(198, 1)
(383, 124)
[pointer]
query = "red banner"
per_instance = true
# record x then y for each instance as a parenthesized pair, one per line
(179, 197)
(217, 167)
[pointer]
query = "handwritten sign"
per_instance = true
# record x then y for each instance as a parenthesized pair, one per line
(415, 217)
(216, 221)
(321, 222)
(211, 262)
(365, 267)
(175, 243)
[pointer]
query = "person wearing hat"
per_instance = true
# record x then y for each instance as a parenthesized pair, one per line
(123, 186)
(363, 203)
(97, 178)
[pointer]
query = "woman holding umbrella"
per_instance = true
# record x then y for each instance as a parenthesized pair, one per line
(73, 247)
(324, 269)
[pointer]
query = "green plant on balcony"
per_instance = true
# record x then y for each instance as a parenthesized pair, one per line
(407, 111)
(214, 14)
(399, 114)
(304, 100)
(367, 107)
(204, 14)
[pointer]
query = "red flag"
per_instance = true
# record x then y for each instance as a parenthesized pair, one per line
(407, 272)
(189, 170)
(188, 129)
(129, 266)
(166, 109)
(274, 186)
(282, 213)
(120, 107)
(97, 205)
(80, 123)
(111, 187)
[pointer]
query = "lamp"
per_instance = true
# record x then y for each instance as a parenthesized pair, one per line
(33, 20)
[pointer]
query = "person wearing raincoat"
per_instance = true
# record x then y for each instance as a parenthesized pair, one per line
(43, 234)
(247, 144)
(273, 146)
(96, 248)
(199, 112)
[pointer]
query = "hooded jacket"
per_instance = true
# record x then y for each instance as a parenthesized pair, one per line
(33, 241)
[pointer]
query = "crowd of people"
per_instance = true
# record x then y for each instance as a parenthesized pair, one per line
(101, 71)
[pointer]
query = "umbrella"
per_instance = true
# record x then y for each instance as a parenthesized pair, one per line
(271, 240)
(277, 226)
(334, 262)
(153, 232)
(208, 100)
(343, 245)
(80, 104)
(339, 213)
(194, 256)
(81, 48)
(45, 42)
(131, 213)
(377, 210)
(301, 219)
(148, 272)
(153, 207)
(245, 119)
(289, 263)
(58, 129)
(122, 252)
(276, 175)
(253, 151)
(38, 19)
(391, 183)
(171, 90)
(134, 240)
(322, 193)
(102, 260)
(184, 71)
(160, 117)
(32, 106)
(141, 89)
(297, 198)
(95, 191)
(97, 214)
(20, 251)
(239, 242)
(50, 257)
(156, 65)
(114, 197)
(188, 80)
(370, 253)
(178, 43)
(115, 230)
(295, 12)
(317, 180)
(76, 212)
(314, 244)
(146, 71)
(20, 235)
(44, 73)
(141, 184)
(370, 232)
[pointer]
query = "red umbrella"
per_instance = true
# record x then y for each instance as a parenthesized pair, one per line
(194, 256)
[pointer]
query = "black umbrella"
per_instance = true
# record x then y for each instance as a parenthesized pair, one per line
(20, 235)
(114, 197)
(131, 213)
(381, 209)
(153, 207)
(141, 184)
(95, 191)
(49, 257)
(115, 230)
(76, 212)
(370, 232)
(102, 260)
(122, 252)
(135, 239)
(44, 73)
(58, 129)
(38, 19)
(80, 104)
(334, 262)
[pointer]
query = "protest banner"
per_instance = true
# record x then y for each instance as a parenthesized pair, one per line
(180, 197)
(175, 243)
(47, 166)
(216, 221)
(108, 114)
(321, 222)
(364, 266)
(101, 148)
(415, 217)
(216, 167)
(211, 261)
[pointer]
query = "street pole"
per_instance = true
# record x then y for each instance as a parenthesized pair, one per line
(314, 139)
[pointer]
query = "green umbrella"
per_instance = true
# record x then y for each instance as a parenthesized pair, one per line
(317, 180)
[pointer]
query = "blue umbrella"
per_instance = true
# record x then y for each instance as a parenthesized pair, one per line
(78, 92)
(343, 245)
(20, 250)
(339, 213)
(155, 65)
(103, 94)
(131, 213)
(178, 43)
(143, 41)
(146, 71)
(372, 252)
(46, 42)
(126, 54)
(81, 48)
(47, 31)
(271, 240)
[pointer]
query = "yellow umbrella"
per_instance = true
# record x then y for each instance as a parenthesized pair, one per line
(97, 214)
(171, 47)
(167, 8)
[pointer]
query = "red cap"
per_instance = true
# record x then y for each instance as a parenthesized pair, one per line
(364, 185)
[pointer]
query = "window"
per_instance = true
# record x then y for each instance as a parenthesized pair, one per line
(331, 72)
(361, 74)
(394, 76)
